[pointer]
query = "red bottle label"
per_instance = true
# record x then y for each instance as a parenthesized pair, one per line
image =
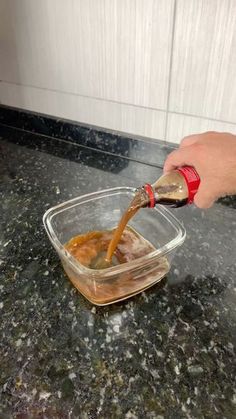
(192, 180)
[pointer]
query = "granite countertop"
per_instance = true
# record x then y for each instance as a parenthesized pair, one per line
(166, 353)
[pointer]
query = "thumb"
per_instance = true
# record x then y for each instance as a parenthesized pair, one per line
(204, 198)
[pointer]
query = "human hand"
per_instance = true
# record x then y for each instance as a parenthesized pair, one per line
(213, 155)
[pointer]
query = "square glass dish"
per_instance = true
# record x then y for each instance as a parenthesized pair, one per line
(102, 211)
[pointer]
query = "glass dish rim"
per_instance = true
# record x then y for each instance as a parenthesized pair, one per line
(104, 273)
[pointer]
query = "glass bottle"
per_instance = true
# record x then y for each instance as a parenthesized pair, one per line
(175, 188)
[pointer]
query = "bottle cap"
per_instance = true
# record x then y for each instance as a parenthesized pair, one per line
(150, 193)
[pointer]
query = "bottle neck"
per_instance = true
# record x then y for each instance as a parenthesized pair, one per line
(163, 196)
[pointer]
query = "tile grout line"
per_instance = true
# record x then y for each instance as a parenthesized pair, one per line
(207, 118)
(81, 95)
(166, 111)
(100, 129)
(170, 72)
(223, 121)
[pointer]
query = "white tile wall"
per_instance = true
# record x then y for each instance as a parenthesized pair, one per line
(125, 118)
(203, 79)
(180, 126)
(123, 64)
(111, 49)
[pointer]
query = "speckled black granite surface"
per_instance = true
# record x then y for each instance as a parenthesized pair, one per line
(167, 353)
(100, 139)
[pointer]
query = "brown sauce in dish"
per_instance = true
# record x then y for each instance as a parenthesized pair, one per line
(87, 248)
